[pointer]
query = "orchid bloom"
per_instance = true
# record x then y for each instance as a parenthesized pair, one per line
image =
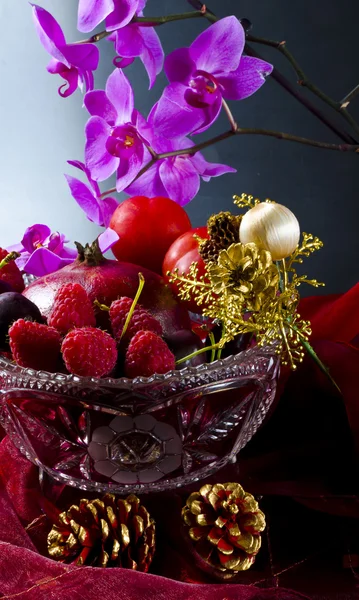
(73, 62)
(114, 142)
(88, 197)
(117, 13)
(211, 69)
(138, 40)
(42, 252)
(176, 177)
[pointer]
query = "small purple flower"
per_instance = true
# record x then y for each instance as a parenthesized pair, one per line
(176, 177)
(88, 197)
(212, 68)
(73, 62)
(43, 252)
(137, 40)
(114, 133)
(117, 13)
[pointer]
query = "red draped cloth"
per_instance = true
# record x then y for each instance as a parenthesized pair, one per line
(302, 463)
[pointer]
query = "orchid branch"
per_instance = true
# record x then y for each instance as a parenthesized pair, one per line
(349, 97)
(238, 131)
(303, 80)
(150, 21)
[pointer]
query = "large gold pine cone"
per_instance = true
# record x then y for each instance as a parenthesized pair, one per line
(107, 532)
(224, 522)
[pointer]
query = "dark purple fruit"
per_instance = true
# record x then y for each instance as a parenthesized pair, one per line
(14, 306)
(185, 342)
(5, 287)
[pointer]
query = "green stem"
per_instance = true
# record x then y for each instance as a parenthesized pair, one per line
(168, 18)
(310, 350)
(133, 305)
(101, 306)
(349, 97)
(108, 192)
(196, 353)
(213, 342)
(8, 259)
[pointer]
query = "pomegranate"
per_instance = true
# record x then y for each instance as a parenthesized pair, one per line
(106, 280)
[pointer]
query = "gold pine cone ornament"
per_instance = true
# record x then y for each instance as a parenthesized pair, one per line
(107, 532)
(224, 523)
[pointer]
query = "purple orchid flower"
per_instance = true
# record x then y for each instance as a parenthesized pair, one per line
(212, 68)
(42, 251)
(138, 40)
(73, 62)
(88, 197)
(175, 177)
(117, 13)
(114, 133)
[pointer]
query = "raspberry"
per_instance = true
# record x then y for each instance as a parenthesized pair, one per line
(141, 320)
(147, 354)
(72, 308)
(89, 352)
(10, 273)
(34, 345)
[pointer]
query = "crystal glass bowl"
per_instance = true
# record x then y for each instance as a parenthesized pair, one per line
(141, 435)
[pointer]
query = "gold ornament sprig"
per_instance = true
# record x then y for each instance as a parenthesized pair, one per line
(247, 292)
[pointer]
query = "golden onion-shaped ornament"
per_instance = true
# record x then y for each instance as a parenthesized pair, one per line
(271, 226)
(224, 524)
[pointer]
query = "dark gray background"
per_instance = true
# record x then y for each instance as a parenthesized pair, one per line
(40, 131)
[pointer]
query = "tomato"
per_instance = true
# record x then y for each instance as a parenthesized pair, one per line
(147, 227)
(182, 253)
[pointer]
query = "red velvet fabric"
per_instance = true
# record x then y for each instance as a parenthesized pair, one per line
(303, 458)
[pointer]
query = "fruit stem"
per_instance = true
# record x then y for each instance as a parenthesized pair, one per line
(133, 305)
(8, 259)
(190, 356)
(101, 306)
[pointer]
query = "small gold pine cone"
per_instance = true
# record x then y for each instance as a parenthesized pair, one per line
(107, 532)
(208, 251)
(223, 229)
(224, 523)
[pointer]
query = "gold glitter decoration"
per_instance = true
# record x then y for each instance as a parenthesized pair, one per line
(224, 523)
(107, 532)
(246, 271)
(247, 292)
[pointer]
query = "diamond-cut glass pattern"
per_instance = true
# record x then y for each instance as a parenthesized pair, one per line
(142, 435)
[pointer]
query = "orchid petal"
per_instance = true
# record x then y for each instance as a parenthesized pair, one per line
(98, 160)
(153, 55)
(124, 11)
(121, 63)
(246, 79)
(82, 167)
(128, 169)
(108, 207)
(180, 179)
(43, 261)
(92, 12)
(173, 117)
(219, 48)
(83, 56)
(210, 114)
(107, 239)
(120, 94)
(98, 105)
(50, 33)
(149, 184)
(179, 66)
(85, 199)
(129, 41)
(34, 235)
(207, 169)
